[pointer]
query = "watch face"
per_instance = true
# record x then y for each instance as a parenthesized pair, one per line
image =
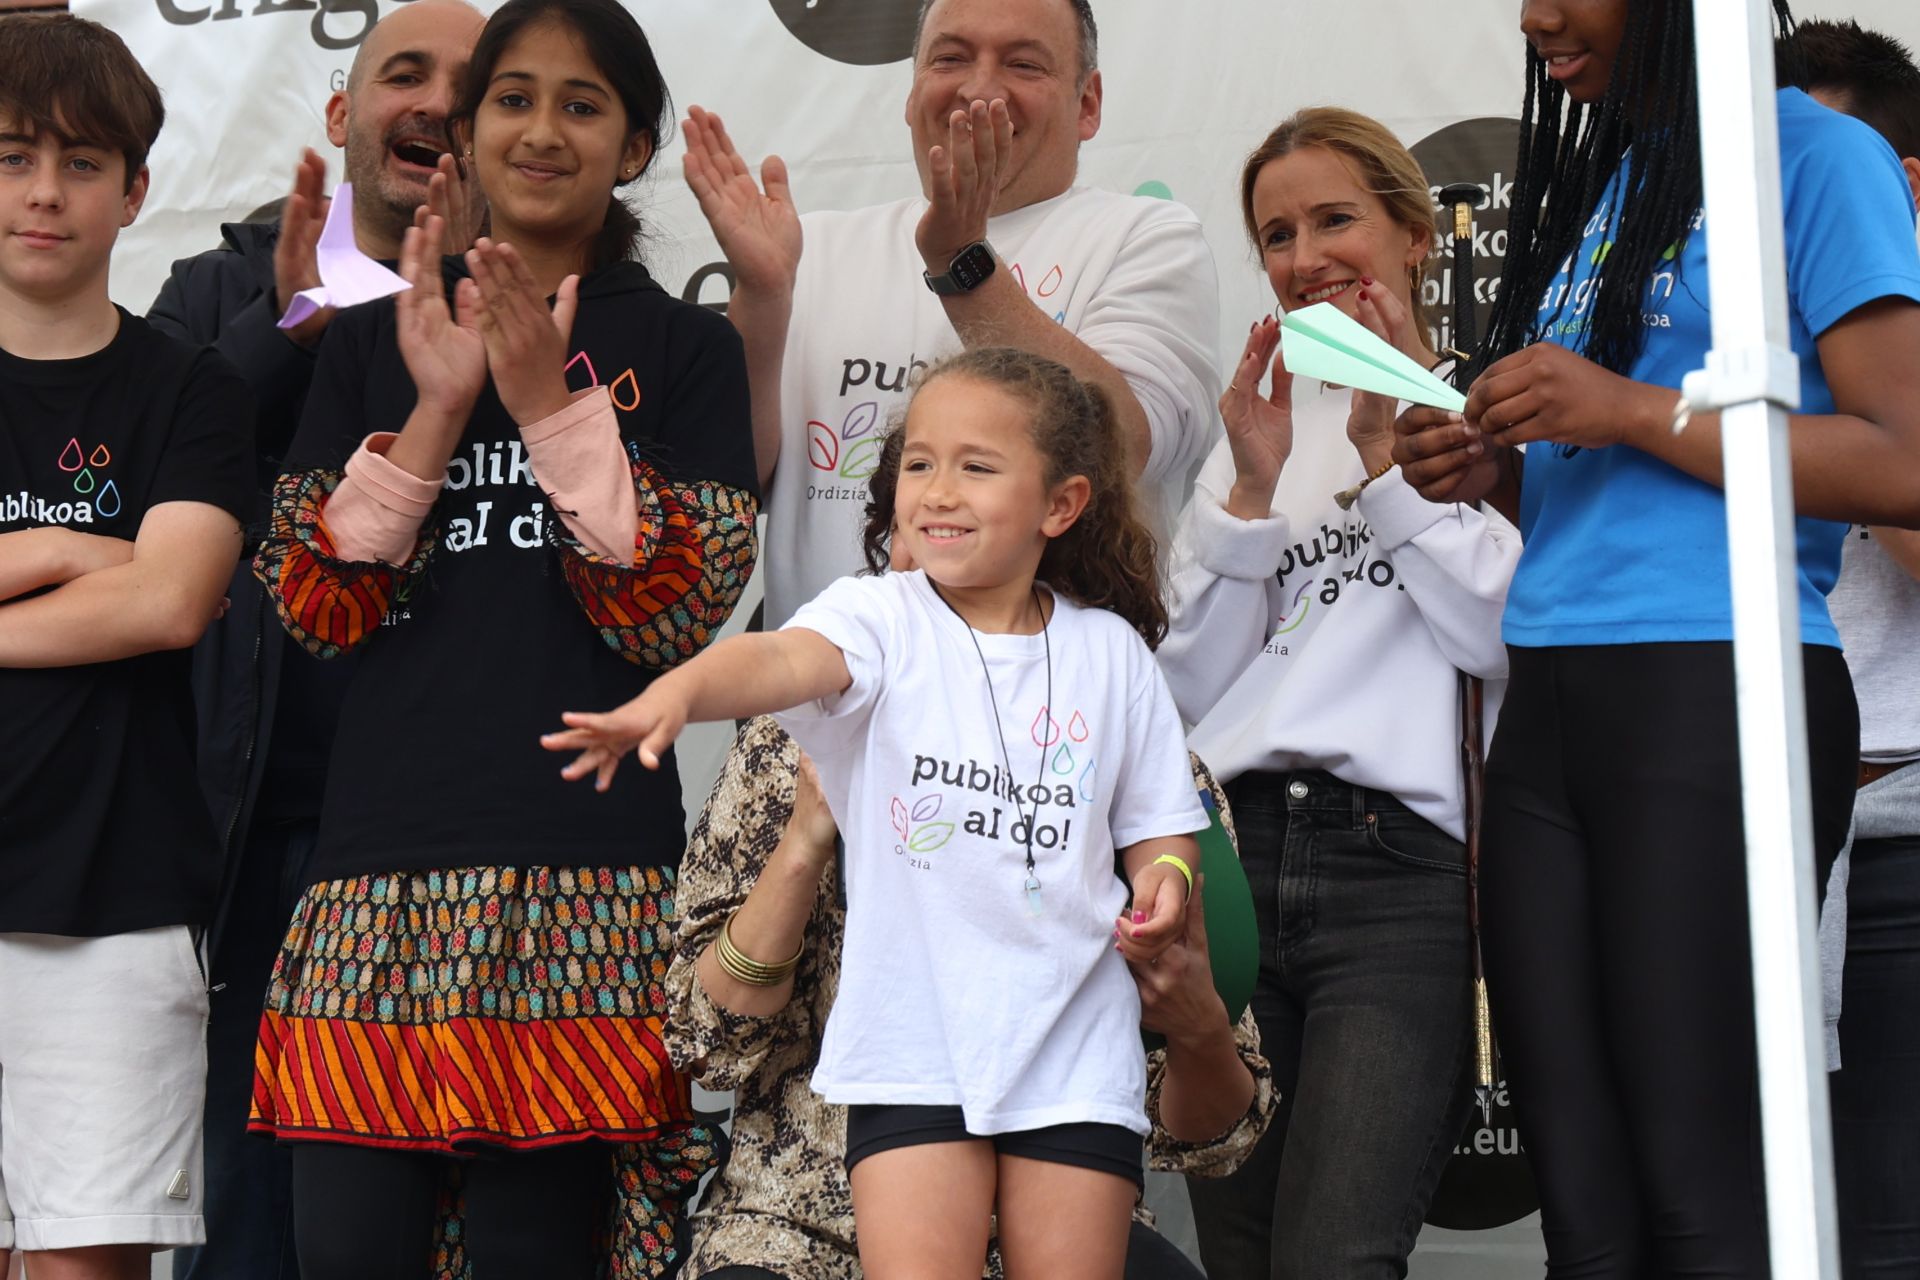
(973, 265)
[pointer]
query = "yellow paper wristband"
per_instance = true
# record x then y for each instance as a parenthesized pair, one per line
(1181, 863)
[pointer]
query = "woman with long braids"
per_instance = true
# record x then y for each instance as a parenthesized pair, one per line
(1614, 888)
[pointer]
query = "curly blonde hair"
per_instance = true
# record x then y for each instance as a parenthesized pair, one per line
(1107, 559)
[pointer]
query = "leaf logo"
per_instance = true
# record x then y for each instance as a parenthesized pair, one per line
(853, 451)
(931, 837)
(862, 460)
(917, 828)
(823, 446)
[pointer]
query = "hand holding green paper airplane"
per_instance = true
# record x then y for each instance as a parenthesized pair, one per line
(1324, 342)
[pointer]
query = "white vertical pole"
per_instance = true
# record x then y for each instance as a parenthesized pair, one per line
(1752, 377)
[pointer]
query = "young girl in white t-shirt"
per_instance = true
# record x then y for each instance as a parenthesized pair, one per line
(996, 743)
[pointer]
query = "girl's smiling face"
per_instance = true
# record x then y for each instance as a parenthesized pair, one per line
(1578, 39)
(551, 139)
(972, 506)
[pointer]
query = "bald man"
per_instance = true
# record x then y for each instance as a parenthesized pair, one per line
(267, 709)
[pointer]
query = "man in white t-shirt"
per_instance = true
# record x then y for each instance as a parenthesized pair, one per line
(999, 249)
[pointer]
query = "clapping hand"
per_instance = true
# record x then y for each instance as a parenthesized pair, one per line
(963, 181)
(1259, 428)
(1370, 418)
(757, 225)
(296, 255)
(526, 343)
(456, 201)
(445, 354)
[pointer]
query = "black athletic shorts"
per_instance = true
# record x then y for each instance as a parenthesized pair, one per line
(1104, 1148)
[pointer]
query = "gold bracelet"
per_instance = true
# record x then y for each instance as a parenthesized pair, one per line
(1181, 863)
(736, 964)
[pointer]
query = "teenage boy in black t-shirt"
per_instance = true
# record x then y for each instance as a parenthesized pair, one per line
(125, 478)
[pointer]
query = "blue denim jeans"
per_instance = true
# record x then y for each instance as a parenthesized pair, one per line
(1364, 1005)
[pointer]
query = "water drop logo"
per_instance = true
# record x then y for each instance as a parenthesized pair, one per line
(84, 465)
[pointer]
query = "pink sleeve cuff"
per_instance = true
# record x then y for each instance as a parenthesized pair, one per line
(376, 512)
(579, 460)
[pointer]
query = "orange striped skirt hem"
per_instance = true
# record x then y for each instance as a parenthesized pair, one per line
(465, 1081)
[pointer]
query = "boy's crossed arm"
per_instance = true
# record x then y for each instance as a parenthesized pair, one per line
(740, 677)
(50, 556)
(159, 596)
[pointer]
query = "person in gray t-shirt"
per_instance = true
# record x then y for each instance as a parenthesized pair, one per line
(1870, 934)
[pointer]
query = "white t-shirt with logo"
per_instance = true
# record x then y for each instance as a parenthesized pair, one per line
(954, 990)
(1132, 278)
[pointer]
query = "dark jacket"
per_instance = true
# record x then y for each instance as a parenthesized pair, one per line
(224, 298)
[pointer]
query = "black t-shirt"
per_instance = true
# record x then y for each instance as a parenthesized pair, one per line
(438, 761)
(103, 828)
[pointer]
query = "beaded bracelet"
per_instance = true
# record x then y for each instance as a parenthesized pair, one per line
(1347, 497)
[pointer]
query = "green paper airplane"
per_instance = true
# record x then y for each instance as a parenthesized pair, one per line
(1324, 342)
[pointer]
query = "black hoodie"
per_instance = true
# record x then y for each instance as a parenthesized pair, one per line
(438, 762)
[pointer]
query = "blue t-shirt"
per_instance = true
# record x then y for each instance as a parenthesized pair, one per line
(1622, 548)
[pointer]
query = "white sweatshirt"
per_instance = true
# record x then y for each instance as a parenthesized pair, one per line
(1130, 276)
(1328, 639)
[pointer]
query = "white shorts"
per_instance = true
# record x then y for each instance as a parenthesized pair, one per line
(103, 1068)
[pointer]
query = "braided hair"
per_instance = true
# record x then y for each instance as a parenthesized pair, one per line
(1569, 155)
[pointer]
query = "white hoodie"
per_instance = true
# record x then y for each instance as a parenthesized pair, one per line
(1328, 639)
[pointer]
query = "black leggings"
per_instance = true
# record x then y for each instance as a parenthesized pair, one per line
(1613, 895)
(365, 1214)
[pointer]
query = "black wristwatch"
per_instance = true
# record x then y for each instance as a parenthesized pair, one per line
(968, 271)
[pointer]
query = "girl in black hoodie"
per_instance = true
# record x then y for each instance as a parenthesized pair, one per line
(509, 504)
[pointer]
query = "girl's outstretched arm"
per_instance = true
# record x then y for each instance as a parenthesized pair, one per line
(746, 675)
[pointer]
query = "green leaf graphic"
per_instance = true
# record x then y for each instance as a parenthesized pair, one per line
(931, 837)
(862, 460)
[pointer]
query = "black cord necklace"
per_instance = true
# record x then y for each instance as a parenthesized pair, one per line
(1046, 639)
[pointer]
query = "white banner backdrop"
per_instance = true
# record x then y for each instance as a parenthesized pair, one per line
(1189, 90)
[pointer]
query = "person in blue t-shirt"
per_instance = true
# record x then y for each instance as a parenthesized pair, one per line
(1614, 886)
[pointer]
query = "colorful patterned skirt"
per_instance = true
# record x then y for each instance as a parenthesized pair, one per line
(488, 1007)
